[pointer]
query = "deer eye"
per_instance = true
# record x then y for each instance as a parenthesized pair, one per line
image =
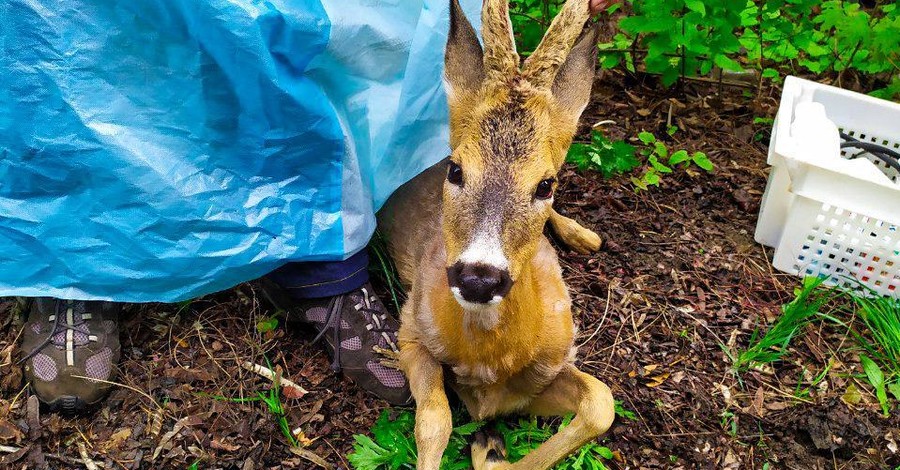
(544, 189)
(455, 174)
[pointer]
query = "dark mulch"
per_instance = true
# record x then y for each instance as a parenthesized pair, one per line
(679, 281)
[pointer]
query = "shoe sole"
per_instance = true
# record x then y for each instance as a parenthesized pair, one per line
(68, 405)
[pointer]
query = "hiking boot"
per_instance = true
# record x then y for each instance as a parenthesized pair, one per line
(66, 342)
(360, 334)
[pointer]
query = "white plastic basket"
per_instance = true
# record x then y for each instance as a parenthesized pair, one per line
(825, 215)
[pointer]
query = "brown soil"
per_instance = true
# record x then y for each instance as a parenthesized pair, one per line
(680, 280)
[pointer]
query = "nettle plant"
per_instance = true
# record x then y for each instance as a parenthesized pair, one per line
(612, 158)
(687, 38)
(657, 152)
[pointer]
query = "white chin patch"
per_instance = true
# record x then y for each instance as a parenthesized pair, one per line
(483, 316)
(475, 306)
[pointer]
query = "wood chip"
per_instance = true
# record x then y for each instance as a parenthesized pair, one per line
(289, 388)
(312, 457)
(85, 459)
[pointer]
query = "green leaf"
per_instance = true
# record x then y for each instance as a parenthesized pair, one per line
(647, 137)
(700, 159)
(696, 5)
(367, 455)
(661, 149)
(658, 166)
(894, 388)
(727, 63)
(679, 157)
(605, 453)
(609, 158)
(876, 378)
(267, 324)
(639, 184)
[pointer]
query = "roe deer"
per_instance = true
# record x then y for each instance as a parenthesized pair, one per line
(488, 310)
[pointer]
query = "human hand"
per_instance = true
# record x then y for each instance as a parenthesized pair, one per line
(599, 5)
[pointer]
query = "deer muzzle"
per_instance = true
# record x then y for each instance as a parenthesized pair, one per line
(477, 283)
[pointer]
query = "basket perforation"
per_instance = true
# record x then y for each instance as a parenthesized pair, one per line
(851, 249)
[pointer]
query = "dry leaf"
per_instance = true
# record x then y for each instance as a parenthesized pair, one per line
(9, 432)
(852, 395)
(756, 406)
(777, 406)
(291, 392)
(116, 440)
(219, 445)
(657, 380)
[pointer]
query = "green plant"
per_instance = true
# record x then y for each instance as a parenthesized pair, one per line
(608, 157)
(273, 402)
(655, 151)
(530, 19)
(880, 339)
(687, 38)
(385, 270)
(528, 435)
(881, 315)
(876, 379)
(622, 412)
(729, 422)
(392, 445)
(804, 393)
(772, 346)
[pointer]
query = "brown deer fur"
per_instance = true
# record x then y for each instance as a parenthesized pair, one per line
(510, 130)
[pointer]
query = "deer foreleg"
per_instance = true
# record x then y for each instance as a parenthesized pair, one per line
(572, 391)
(573, 234)
(433, 419)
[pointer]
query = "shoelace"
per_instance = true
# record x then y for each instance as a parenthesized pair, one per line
(333, 321)
(67, 326)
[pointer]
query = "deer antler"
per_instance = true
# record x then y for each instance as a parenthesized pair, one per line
(541, 67)
(501, 60)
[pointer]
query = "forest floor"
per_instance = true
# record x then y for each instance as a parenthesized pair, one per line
(679, 281)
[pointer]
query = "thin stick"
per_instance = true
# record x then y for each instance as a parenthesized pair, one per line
(85, 459)
(271, 375)
(129, 387)
(602, 320)
(9, 449)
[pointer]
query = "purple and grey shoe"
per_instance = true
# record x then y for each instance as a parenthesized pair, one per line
(70, 351)
(361, 336)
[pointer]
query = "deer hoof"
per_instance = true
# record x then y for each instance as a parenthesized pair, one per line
(489, 452)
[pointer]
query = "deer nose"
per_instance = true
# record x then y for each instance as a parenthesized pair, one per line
(479, 283)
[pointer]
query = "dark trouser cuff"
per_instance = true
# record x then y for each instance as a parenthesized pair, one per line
(312, 280)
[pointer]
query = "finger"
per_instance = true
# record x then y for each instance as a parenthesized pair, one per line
(599, 5)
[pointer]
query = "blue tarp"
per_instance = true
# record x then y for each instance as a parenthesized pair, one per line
(158, 150)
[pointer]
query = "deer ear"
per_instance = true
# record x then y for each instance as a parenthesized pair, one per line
(464, 58)
(572, 85)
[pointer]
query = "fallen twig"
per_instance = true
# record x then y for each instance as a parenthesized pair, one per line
(129, 387)
(9, 449)
(312, 457)
(85, 459)
(271, 375)
(71, 461)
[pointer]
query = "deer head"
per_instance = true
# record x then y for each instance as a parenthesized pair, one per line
(510, 129)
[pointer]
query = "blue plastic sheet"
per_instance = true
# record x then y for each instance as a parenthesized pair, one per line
(158, 150)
